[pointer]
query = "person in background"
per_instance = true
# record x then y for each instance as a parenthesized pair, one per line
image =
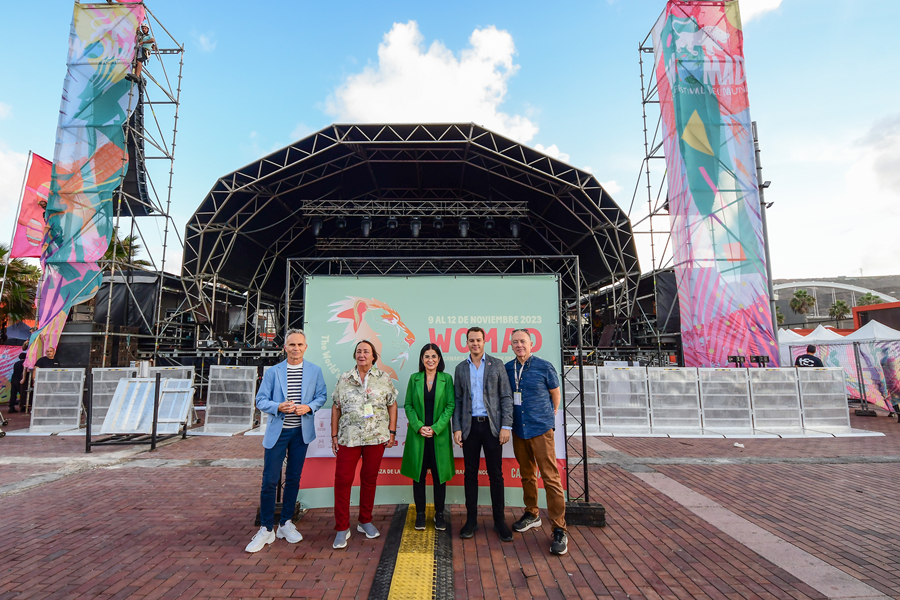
(536, 397)
(363, 423)
(290, 393)
(429, 409)
(482, 419)
(145, 45)
(16, 382)
(809, 359)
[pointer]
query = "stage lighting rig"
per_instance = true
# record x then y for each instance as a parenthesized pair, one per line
(415, 226)
(366, 226)
(317, 226)
(515, 228)
(392, 223)
(341, 223)
(489, 224)
(463, 228)
(438, 223)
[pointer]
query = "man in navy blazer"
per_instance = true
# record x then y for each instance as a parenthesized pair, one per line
(291, 392)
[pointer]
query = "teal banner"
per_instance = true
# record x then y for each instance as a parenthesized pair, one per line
(401, 314)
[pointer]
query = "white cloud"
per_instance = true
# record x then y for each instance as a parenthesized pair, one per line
(301, 131)
(413, 84)
(12, 170)
(552, 152)
(5, 110)
(206, 41)
(611, 186)
(750, 9)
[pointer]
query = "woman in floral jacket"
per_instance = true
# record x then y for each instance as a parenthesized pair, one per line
(363, 423)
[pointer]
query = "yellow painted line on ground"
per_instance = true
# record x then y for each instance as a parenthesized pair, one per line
(414, 571)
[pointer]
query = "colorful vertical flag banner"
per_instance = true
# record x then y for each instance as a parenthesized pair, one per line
(30, 224)
(719, 253)
(89, 161)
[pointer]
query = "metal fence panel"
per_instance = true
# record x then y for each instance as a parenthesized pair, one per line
(725, 400)
(624, 402)
(56, 402)
(775, 399)
(823, 397)
(103, 387)
(674, 400)
(591, 408)
(131, 409)
(230, 400)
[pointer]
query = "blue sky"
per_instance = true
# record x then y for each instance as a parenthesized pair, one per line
(561, 77)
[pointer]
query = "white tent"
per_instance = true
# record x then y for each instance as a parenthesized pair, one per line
(787, 338)
(821, 335)
(873, 331)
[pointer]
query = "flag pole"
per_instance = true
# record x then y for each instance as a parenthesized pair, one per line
(12, 238)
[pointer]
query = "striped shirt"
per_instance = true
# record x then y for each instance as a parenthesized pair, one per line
(294, 385)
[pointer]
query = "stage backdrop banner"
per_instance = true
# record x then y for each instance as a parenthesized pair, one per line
(712, 187)
(399, 315)
(9, 356)
(30, 224)
(89, 161)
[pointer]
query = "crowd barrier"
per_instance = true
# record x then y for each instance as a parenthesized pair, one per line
(131, 409)
(229, 401)
(56, 402)
(103, 388)
(692, 402)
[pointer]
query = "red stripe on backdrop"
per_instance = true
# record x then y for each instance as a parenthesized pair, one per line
(319, 473)
(30, 226)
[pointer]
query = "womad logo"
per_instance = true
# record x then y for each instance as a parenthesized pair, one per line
(361, 316)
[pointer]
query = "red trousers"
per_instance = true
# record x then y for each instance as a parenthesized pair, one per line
(344, 471)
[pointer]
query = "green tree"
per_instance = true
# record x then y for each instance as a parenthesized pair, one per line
(839, 310)
(779, 316)
(124, 250)
(869, 299)
(802, 302)
(19, 291)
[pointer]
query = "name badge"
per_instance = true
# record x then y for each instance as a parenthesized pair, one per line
(368, 411)
(517, 398)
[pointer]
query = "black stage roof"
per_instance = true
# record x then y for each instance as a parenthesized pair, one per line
(420, 190)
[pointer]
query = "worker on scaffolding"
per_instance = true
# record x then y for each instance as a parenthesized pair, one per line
(145, 45)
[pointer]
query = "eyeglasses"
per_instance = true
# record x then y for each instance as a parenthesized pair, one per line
(518, 330)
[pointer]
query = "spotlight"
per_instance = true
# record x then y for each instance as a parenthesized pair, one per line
(489, 224)
(515, 227)
(317, 226)
(341, 223)
(366, 226)
(438, 223)
(415, 226)
(392, 223)
(464, 228)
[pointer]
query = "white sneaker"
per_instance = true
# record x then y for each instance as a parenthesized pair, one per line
(289, 533)
(340, 540)
(262, 538)
(368, 529)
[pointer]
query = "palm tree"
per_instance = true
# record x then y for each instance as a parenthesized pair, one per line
(802, 302)
(839, 310)
(19, 291)
(869, 299)
(779, 316)
(124, 251)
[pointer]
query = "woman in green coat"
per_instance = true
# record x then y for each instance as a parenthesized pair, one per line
(429, 408)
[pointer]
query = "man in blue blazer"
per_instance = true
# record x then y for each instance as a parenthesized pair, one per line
(291, 392)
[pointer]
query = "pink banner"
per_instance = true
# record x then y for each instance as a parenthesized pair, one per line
(30, 225)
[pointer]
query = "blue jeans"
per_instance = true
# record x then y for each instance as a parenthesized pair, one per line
(291, 442)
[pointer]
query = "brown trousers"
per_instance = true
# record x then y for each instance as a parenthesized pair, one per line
(540, 453)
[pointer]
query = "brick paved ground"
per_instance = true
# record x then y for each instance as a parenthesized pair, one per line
(838, 513)
(169, 532)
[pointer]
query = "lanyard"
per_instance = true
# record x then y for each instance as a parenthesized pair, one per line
(520, 374)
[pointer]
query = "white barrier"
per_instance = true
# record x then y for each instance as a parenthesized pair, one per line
(591, 408)
(131, 410)
(688, 402)
(674, 401)
(823, 394)
(56, 402)
(263, 417)
(229, 401)
(725, 402)
(103, 387)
